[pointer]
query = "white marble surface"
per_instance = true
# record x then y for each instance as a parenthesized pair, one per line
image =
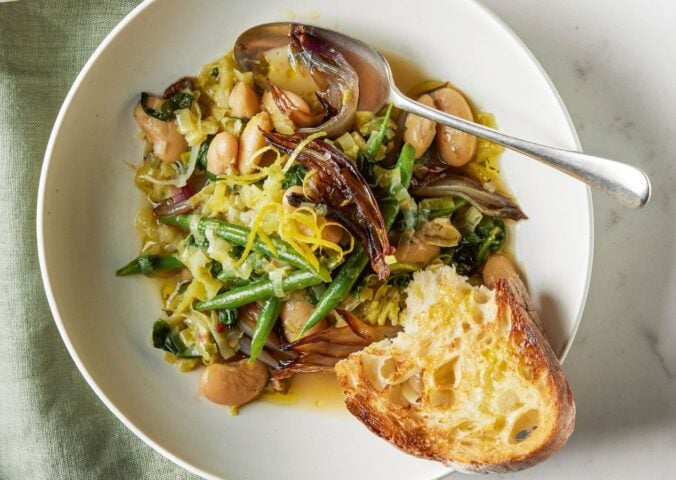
(614, 64)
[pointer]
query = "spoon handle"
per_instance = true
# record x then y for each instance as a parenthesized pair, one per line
(627, 184)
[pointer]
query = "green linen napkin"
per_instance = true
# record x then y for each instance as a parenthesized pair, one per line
(52, 425)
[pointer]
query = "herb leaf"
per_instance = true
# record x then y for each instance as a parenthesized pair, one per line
(167, 111)
(488, 236)
(202, 154)
(294, 176)
(167, 339)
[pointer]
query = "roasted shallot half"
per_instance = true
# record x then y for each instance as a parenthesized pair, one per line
(336, 80)
(337, 183)
(322, 350)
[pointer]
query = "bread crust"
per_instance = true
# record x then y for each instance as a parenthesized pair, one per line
(411, 435)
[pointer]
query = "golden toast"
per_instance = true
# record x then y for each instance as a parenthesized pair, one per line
(471, 381)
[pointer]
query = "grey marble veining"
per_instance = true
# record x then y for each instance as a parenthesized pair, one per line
(614, 64)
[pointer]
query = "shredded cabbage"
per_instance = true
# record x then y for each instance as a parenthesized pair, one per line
(351, 144)
(468, 220)
(216, 79)
(184, 172)
(276, 276)
(195, 291)
(195, 228)
(232, 125)
(198, 323)
(226, 340)
(368, 123)
(378, 303)
(218, 249)
(199, 265)
(391, 180)
(193, 126)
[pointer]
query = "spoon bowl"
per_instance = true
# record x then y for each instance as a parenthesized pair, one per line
(625, 183)
(375, 75)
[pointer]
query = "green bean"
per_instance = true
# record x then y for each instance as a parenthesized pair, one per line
(258, 290)
(339, 287)
(350, 271)
(375, 142)
(239, 236)
(264, 323)
(231, 282)
(147, 264)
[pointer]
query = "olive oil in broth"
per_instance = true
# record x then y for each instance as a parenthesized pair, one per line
(407, 74)
(312, 391)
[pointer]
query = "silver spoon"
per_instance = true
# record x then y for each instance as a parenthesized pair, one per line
(627, 184)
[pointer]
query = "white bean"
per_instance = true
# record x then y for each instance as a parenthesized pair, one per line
(234, 383)
(455, 147)
(419, 131)
(498, 266)
(243, 101)
(416, 251)
(222, 155)
(168, 143)
(293, 316)
(251, 141)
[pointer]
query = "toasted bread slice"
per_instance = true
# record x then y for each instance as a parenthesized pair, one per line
(471, 381)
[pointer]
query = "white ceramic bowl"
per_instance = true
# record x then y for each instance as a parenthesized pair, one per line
(87, 203)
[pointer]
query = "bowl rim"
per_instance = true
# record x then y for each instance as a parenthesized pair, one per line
(40, 218)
